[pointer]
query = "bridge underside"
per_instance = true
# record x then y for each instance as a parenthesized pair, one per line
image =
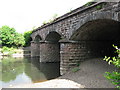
(99, 36)
(93, 39)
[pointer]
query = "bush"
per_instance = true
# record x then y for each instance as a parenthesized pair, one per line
(8, 51)
(114, 77)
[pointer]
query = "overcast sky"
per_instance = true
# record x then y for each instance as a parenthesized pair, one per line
(23, 15)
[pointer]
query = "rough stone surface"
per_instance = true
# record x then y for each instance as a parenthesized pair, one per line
(35, 49)
(95, 28)
(69, 23)
(49, 52)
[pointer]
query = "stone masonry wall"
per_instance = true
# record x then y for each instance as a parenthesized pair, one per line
(35, 49)
(72, 53)
(49, 52)
(70, 22)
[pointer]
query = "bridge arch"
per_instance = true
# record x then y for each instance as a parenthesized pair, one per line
(53, 36)
(50, 49)
(35, 46)
(98, 36)
(86, 32)
(95, 16)
(93, 30)
(94, 39)
(37, 38)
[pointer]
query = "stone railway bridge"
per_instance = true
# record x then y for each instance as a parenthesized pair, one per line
(86, 32)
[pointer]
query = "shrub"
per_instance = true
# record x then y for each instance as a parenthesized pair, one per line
(114, 77)
(8, 51)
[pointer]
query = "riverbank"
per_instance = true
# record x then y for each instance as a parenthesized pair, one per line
(90, 75)
(13, 52)
(55, 83)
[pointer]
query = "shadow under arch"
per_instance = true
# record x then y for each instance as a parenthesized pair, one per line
(53, 36)
(99, 35)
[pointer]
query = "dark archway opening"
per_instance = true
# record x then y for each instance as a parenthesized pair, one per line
(35, 46)
(37, 38)
(99, 36)
(53, 37)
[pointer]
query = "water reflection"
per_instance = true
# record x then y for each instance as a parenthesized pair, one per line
(27, 70)
(11, 68)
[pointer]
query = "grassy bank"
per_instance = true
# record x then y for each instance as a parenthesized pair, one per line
(5, 51)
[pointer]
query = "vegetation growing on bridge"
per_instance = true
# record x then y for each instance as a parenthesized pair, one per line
(100, 6)
(90, 3)
(50, 20)
(114, 77)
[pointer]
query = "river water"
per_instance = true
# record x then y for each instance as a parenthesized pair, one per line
(17, 71)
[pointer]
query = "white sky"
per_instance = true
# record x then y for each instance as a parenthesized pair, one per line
(23, 15)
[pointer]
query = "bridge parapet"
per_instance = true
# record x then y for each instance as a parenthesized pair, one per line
(65, 24)
(96, 6)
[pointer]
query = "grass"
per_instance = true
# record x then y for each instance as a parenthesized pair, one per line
(75, 69)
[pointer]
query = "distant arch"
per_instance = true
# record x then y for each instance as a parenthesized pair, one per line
(53, 36)
(37, 38)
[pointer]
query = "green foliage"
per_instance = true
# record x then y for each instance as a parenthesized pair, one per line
(10, 38)
(89, 3)
(44, 22)
(19, 41)
(27, 38)
(99, 7)
(8, 51)
(75, 69)
(54, 16)
(78, 64)
(114, 77)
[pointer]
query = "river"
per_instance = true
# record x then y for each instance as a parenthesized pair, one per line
(17, 71)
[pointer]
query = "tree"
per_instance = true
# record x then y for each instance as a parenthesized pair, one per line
(19, 41)
(114, 77)
(27, 38)
(10, 38)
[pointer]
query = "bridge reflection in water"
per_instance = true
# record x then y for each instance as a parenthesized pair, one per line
(26, 70)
